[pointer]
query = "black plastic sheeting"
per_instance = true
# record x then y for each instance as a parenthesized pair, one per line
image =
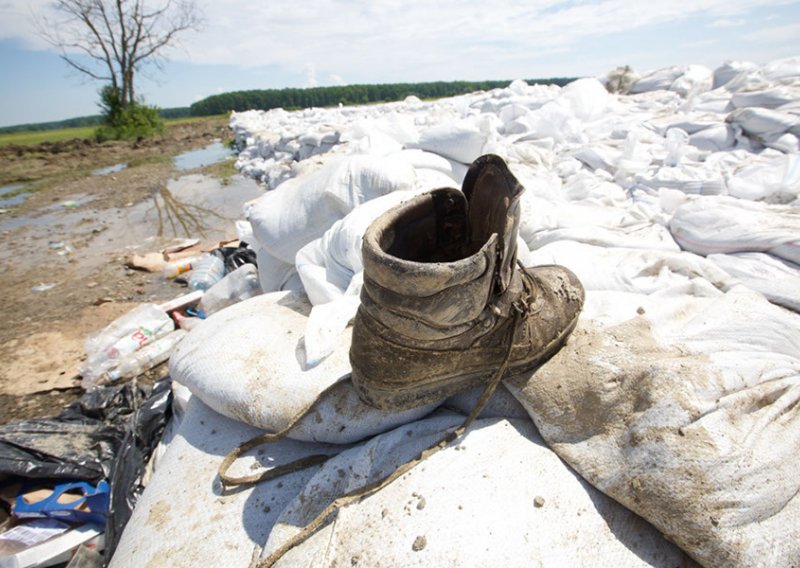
(109, 434)
(141, 438)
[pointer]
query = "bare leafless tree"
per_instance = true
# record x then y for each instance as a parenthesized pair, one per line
(112, 40)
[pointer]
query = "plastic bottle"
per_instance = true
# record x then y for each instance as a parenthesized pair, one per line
(147, 357)
(177, 267)
(239, 285)
(125, 335)
(206, 273)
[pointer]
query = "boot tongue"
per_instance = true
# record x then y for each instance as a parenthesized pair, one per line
(493, 195)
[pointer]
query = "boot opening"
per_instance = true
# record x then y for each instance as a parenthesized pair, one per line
(430, 230)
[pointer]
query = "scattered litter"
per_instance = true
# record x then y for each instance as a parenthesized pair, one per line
(150, 262)
(57, 549)
(180, 245)
(105, 349)
(26, 535)
(147, 357)
(175, 268)
(181, 302)
(43, 287)
(70, 204)
(72, 502)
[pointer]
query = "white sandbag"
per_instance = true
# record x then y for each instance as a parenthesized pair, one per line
(787, 143)
(777, 279)
(688, 178)
(462, 141)
(657, 80)
(728, 70)
(422, 160)
(722, 224)
(694, 80)
(767, 98)
(643, 271)
(327, 265)
(640, 236)
(783, 70)
(714, 138)
(302, 209)
(328, 321)
(497, 497)
(398, 127)
(540, 215)
(774, 181)
(184, 519)
(273, 273)
(694, 426)
(248, 362)
(587, 98)
(764, 124)
(592, 189)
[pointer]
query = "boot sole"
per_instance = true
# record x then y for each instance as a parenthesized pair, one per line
(413, 395)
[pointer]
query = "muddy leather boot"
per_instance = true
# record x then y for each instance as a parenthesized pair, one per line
(445, 303)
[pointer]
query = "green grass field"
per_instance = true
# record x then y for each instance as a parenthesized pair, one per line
(38, 137)
(31, 138)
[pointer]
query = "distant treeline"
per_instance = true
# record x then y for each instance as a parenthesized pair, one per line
(94, 120)
(292, 98)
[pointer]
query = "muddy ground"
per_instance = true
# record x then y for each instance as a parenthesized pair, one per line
(63, 270)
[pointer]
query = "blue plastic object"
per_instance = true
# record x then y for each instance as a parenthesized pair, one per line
(91, 507)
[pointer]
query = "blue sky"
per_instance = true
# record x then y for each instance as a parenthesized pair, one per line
(255, 45)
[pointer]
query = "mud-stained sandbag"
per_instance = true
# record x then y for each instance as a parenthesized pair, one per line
(691, 420)
(184, 519)
(496, 497)
(248, 362)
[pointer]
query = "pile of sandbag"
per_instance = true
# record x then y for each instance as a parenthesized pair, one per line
(676, 398)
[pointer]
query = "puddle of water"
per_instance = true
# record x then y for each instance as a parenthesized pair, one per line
(9, 188)
(196, 206)
(211, 154)
(73, 202)
(110, 169)
(191, 206)
(15, 199)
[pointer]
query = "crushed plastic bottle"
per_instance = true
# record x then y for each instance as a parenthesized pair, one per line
(206, 273)
(147, 357)
(238, 285)
(125, 335)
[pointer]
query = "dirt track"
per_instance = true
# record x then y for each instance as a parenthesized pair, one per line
(70, 233)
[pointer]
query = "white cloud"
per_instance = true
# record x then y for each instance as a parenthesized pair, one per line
(727, 23)
(337, 79)
(422, 40)
(17, 21)
(774, 34)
